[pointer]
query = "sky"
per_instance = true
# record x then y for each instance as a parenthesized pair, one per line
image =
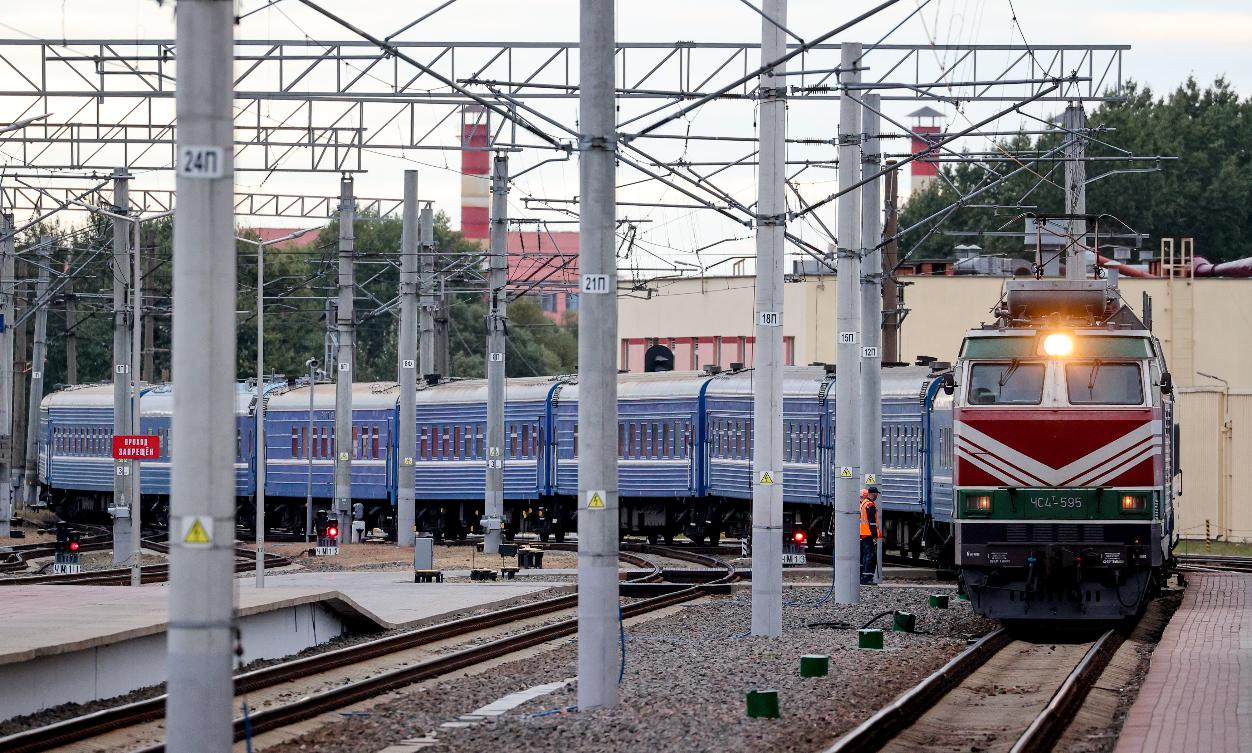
(1169, 41)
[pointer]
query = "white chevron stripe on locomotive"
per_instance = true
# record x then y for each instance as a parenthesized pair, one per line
(1016, 468)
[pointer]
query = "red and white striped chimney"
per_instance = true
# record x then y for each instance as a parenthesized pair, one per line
(925, 136)
(475, 175)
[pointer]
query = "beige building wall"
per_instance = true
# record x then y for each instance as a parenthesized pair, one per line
(1211, 319)
(1216, 436)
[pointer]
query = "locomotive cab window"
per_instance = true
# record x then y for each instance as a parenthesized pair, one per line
(1012, 383)
(1099, 383)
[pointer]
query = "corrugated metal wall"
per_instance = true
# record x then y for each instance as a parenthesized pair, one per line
(1216, 459)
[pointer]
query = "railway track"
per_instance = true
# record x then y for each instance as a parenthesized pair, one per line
(999, 695)
(1214, 563)
(86, 727)
(93, 539)
(245, 559)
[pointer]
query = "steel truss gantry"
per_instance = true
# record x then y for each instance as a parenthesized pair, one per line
(303, 105)
(25, 197)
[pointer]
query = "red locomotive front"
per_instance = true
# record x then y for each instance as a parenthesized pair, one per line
(1063, 445)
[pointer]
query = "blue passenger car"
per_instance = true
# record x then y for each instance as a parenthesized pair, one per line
(296, 453)
(657, 448)
(76, 466)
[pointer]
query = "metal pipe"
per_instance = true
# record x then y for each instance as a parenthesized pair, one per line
(260, 416)
(38, 352)
(767, 385)
(7, 291)
(136, 341)
(847, 325)
(308, 452)
(890, 286)
(497, 323)
(201, 630)
(597, 362)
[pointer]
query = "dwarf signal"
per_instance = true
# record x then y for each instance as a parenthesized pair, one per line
(327, 536)
(65, 555)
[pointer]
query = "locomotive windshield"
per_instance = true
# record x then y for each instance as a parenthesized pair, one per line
(1097, 383)
(1014, 383)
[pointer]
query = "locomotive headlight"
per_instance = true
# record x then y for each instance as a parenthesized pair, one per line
(978, 503)
(1058, 344)
(1133, 503)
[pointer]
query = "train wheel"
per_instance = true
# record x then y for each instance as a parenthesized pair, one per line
(653, 539)
(715, 538)
(696, 539)
(560, 536)
(544, 536)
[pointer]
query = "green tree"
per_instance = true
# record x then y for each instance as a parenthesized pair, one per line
(1206, 194)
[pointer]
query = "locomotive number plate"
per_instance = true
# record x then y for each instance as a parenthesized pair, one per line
(1055, 501)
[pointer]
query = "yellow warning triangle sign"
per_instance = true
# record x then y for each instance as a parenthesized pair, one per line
(767, 478)
(596, 502)
(196, 534)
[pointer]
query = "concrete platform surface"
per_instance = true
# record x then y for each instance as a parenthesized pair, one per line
(1198, 692)
(46, 620)
(393, 599)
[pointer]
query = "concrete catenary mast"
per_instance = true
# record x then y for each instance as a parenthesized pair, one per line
(497, 323)
(199, 639)
(1074, 123)
(767, 385)
(597, 361)
(871, 299)
(847, 325)
(406, 352)
(345, 360)
(121, 364)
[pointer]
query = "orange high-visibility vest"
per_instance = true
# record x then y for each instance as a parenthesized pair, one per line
(865, 522)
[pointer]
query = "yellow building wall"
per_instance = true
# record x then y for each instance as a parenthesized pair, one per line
(941, 309)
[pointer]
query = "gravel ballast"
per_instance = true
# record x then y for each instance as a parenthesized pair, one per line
(687, 674)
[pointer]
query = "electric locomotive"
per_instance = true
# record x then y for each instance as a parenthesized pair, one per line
(1066, 453)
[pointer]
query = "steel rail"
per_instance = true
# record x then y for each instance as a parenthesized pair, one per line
(155, 573)
(90, 725)
(908, 707)
(1049, 725)
(1038, 737)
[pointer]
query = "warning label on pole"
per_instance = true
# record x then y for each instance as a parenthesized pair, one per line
(595, 499)
(871, 478)
(197, 531)
(845, 472)
(767, 477)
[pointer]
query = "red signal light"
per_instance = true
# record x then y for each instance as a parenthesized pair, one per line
(332, 532)
(73, 546)
(800, 537)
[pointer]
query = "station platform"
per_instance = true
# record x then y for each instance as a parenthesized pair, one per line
(83, 643)
(1198, 692)
(393, 600)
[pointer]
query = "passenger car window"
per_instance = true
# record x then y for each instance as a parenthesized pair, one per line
(1099, 383)
(1014, 383)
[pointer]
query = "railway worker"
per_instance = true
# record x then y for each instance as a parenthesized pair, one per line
(870, 534)
(358, 523)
